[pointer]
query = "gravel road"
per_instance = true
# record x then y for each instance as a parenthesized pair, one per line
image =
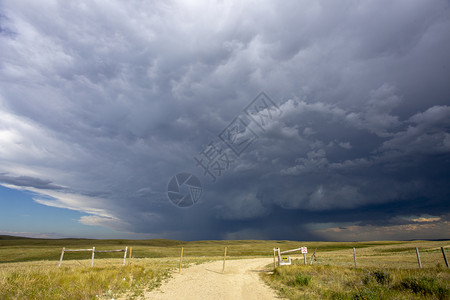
(239, 281)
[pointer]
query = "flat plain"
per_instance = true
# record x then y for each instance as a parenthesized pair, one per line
(29, 268)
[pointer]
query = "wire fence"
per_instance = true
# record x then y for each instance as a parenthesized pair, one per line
(407, 257)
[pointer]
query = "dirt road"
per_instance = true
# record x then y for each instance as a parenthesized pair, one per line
(206, 281)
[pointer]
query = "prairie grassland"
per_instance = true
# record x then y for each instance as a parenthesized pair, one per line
(383, 272)
(386, 256)
(28, 267)
(77, 280)
(44, 249)
(298, 281)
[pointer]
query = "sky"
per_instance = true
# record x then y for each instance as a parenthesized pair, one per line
(300, 120)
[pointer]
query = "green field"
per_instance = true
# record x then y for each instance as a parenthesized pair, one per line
(29, 268)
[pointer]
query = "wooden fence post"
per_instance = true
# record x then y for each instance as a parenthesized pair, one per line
(129, 259)
(181, 258)
(304, 258)
(279, 256)
(418, 258)
(93, 254)
(125, 256)
(274, 262)
(312, 257)
(354, 256)
(445, 257)
(62, 255)
(224, 258)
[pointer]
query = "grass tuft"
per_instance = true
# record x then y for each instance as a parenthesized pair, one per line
(379, 276)
(300, 280)
(425, 286)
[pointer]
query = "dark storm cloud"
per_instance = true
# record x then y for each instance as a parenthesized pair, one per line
(26, 181)
(111, 100)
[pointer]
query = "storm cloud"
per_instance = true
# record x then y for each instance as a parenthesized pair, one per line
(102, 103)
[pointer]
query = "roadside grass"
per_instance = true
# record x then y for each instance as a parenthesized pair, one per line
(336, 282)
(75, 279)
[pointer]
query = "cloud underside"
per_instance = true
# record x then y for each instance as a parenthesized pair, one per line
(101, 105)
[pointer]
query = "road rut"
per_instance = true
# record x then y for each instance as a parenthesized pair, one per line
(240, 280)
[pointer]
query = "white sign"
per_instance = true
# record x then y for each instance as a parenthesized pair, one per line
(304, 250)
